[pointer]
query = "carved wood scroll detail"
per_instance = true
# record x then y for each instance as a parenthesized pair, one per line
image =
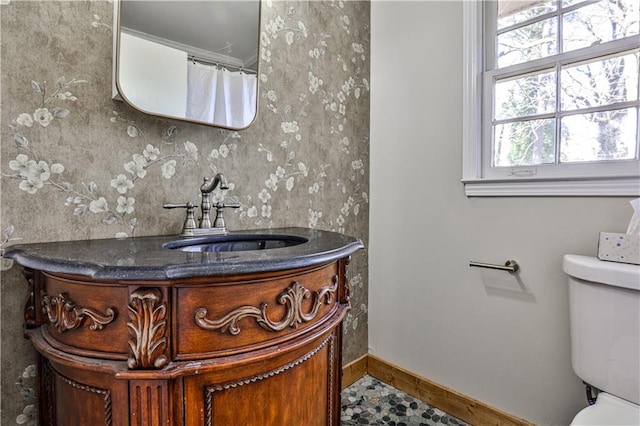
(30, 305)
(147, 329)
(292, 297)
(64, 315)
(347, 288)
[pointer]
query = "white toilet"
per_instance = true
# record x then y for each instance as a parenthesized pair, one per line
(604, 303)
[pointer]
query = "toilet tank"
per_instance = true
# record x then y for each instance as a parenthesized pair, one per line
(604, 305)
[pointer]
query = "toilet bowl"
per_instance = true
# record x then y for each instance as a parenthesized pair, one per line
(608, 410)
(604, 305)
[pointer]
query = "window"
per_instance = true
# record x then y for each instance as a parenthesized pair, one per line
(552, 97)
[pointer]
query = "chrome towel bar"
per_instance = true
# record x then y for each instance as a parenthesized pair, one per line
(510, 266)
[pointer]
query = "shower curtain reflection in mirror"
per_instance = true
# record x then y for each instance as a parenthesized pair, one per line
(218, 95)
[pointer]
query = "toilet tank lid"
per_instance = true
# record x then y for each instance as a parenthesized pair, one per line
(600, 271)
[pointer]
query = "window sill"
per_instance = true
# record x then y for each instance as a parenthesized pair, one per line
(618, 187)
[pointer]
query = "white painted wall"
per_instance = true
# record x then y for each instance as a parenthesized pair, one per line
(153, 77)
(480, 333)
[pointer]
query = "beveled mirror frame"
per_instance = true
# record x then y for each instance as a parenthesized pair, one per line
(117, 93)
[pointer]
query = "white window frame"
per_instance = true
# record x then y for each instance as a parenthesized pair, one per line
(522, 182)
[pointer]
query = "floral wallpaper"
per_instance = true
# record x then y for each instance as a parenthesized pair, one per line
(75, 164)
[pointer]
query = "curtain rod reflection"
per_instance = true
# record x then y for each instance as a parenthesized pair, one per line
(195, 59)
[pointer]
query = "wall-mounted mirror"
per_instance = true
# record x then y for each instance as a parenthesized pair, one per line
(189, 60)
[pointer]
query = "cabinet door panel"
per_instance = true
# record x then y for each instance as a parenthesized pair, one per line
(296, 389)
(72, 394)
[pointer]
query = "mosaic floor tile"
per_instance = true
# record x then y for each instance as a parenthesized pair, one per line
(371, 402)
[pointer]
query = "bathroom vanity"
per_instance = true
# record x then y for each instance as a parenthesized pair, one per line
(238, 329)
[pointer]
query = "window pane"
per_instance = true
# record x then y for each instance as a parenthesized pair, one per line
(600, 136)
(534, 41)
(511, 12)
(602, 82)
(524, 143)
(529, 95)
(601, 22)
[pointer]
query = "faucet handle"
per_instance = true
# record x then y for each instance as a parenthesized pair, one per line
(179, 206)
(219, 220)
(222, 205)
(190, 221)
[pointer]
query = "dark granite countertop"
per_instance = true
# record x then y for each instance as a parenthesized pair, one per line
(145, 258)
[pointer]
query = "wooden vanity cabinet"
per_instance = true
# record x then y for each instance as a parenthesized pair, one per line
(249, 349)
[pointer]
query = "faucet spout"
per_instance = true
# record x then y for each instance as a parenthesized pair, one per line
(211, 184)
(205, 191)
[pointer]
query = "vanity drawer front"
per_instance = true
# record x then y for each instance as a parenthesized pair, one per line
(228, 318)
(85, 316)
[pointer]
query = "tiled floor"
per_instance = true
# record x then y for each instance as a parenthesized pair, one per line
(371, 402)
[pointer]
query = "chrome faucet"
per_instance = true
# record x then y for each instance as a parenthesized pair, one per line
(205, 227)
